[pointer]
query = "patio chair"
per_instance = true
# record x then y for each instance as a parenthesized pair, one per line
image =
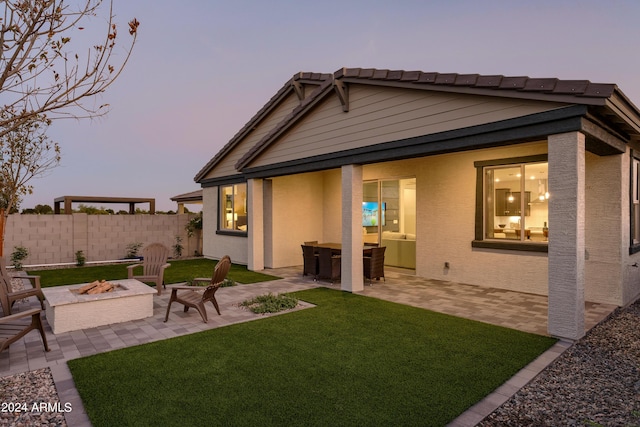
(192, 298)
(8, 296)
(15, 326)
(310, 261)
(328, 265)
(154, 262)
(374, 264)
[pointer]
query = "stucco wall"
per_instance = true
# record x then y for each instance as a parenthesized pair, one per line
(298, 212)
(308, 207)
(53, 239)
(446, 191)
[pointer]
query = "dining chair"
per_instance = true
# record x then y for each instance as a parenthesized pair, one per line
(329, 265)
(374, 264)
(310, 260)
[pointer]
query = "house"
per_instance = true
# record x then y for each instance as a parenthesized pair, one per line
(525, 184)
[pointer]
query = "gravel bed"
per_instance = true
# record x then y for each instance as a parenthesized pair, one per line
(595, 382)
(30, 399)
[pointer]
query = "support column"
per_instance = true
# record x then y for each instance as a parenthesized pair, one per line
(352, 275)
(255, 225)
(566, 235)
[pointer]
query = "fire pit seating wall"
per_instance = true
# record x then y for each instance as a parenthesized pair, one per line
(401, 249)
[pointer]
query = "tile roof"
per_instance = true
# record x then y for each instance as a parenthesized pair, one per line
(498, 82)
(550, 89)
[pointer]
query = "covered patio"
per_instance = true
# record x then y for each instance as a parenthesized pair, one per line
(517, 310)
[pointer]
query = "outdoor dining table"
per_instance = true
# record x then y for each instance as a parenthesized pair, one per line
(336, 248)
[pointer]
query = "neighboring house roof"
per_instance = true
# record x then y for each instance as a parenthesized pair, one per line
(193, 196)
(604, 99)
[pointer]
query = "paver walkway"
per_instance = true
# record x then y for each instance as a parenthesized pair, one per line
(526, 312)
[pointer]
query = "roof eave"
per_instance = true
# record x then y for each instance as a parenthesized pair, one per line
(283, 92)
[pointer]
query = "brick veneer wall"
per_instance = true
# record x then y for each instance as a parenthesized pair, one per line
(53, 239)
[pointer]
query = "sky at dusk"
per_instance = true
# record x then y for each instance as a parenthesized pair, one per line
(201, 69)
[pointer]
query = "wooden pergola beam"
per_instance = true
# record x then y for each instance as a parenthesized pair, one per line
(132, 201)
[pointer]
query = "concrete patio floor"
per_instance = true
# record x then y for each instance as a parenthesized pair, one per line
(521, 311)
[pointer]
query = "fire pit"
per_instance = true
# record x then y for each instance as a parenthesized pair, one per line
(96, 287)
(67, 309)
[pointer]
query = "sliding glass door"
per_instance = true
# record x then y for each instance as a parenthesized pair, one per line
(389, 219)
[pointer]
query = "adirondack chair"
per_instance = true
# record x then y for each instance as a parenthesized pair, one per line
(191, 298)
(154, 262)
(8, 296)
(15, 326)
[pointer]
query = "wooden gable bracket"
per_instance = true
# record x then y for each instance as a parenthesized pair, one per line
(298, 88)
(342, 90)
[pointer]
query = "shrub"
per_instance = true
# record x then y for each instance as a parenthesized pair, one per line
(80, 258)
(228, 282)
(177, 247)
(270, 303)
(18, 255)
(132, 250)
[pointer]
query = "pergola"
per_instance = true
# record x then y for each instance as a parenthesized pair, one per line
(132, 201)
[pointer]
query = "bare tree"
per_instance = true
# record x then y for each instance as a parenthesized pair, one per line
(25, 153)
(43, 78)
(40, 74)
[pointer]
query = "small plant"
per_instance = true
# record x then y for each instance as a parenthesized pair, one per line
(225, 283)
(270, 303)
(132, 250)
(193, 225)
(177, 247)
(18, 255)
(228, 282)
(80, 258)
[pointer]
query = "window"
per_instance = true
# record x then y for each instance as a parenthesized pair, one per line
(233, 208)
(635, 203)
(513, 203)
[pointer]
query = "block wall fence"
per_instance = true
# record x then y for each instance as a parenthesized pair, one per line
(53, 239)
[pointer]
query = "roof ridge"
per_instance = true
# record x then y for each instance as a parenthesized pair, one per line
(552, 85)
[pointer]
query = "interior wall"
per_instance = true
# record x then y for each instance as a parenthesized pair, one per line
(408, 207)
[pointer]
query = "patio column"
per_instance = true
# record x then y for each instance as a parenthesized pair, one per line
(255, 225)
(566, 235)
(352, 275)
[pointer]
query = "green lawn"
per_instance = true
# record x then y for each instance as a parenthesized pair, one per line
(351, 360)
(180, 271)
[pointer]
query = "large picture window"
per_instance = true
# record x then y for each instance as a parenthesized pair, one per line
(233, 208)
(517, 202)
(513, 204)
